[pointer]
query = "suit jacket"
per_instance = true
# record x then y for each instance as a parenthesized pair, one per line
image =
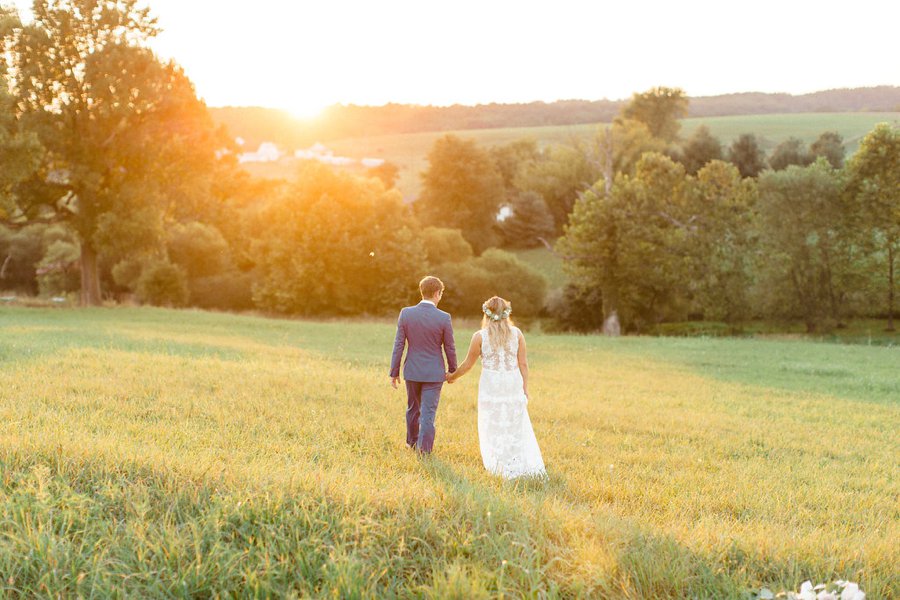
(428, 332)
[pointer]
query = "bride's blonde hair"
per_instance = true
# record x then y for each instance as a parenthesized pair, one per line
(496, 321)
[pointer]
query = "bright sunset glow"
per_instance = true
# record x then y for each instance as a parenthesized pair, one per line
(302, 110)
(302, 56)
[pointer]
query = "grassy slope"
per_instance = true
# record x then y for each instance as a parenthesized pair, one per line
(157, 452)
(545, 262)
(409, 151)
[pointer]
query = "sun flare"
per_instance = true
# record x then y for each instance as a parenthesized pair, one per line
(307, 110)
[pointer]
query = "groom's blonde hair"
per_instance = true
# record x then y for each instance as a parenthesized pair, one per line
(429, 286)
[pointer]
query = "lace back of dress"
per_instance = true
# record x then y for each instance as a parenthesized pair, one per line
(500, 359)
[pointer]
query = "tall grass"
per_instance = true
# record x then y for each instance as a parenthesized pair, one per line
(153, 453)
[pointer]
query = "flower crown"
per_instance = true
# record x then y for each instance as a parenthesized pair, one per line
(494, 316)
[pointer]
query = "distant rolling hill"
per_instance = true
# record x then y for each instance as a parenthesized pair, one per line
(257, 125)
(409, 150)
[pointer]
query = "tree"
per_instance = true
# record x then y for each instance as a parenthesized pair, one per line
(807, 250)
(620, 146)
(830, 146)
(632, 243)
(20, 150)
(445, 246)
(21, 250)
(792, 151)
(163, 284)
(874, 185)
(336, 244)
(494, 273)
(199, 249)
(57, 273)
(462, 189)
(559, 175)
(746, 154)
(121, 130)
(512, 158)
(700, 149)
(529, 223)
(575, 309)
(659, 109)
(723, 245)
(387, 172)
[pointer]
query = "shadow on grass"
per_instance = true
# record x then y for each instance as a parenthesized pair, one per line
(81, 527)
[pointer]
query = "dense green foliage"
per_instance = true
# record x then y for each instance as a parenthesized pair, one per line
(122, 132)
(660, 109)
(700, 149)
(808, 254)
(162, 284)
(336, 244)
(874, 185)
(745, 153)
(462, 189)
(529, 223)
(661, 245)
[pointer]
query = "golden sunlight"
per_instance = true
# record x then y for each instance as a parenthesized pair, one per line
(307, 110)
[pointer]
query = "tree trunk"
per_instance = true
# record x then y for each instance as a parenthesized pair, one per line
(90, 276)
(890, 323)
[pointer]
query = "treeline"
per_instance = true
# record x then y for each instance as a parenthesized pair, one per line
(660, 229)
(115, 182)
(257, 125)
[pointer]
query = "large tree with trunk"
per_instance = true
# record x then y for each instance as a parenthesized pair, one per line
(633, 243)
(124, 134)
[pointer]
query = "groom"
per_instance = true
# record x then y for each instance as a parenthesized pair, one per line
(429, 333)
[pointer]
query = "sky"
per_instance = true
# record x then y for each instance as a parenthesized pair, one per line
(303, 55)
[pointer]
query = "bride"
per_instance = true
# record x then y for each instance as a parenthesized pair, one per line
(508, 445)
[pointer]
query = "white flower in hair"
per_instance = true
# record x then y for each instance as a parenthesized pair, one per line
(493, 316)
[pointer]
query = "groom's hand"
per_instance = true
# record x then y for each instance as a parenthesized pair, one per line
(395, 382)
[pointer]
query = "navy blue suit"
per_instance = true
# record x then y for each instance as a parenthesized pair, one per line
(428, 332)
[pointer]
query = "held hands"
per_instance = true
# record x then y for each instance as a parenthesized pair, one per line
(450, 377)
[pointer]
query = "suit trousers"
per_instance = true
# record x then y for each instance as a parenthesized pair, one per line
(422, 401)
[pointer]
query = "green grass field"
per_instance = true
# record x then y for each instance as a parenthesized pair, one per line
(150, 453)
(409, 151)
(547, 263)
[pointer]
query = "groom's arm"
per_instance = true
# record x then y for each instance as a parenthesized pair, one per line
(399, 344)
(450, 346)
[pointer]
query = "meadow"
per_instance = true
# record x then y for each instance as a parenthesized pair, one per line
(159, 453)
(410, 151)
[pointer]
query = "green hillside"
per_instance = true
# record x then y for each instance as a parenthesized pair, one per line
(409, 151)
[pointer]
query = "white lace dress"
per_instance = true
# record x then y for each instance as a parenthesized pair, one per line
(508, 445)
